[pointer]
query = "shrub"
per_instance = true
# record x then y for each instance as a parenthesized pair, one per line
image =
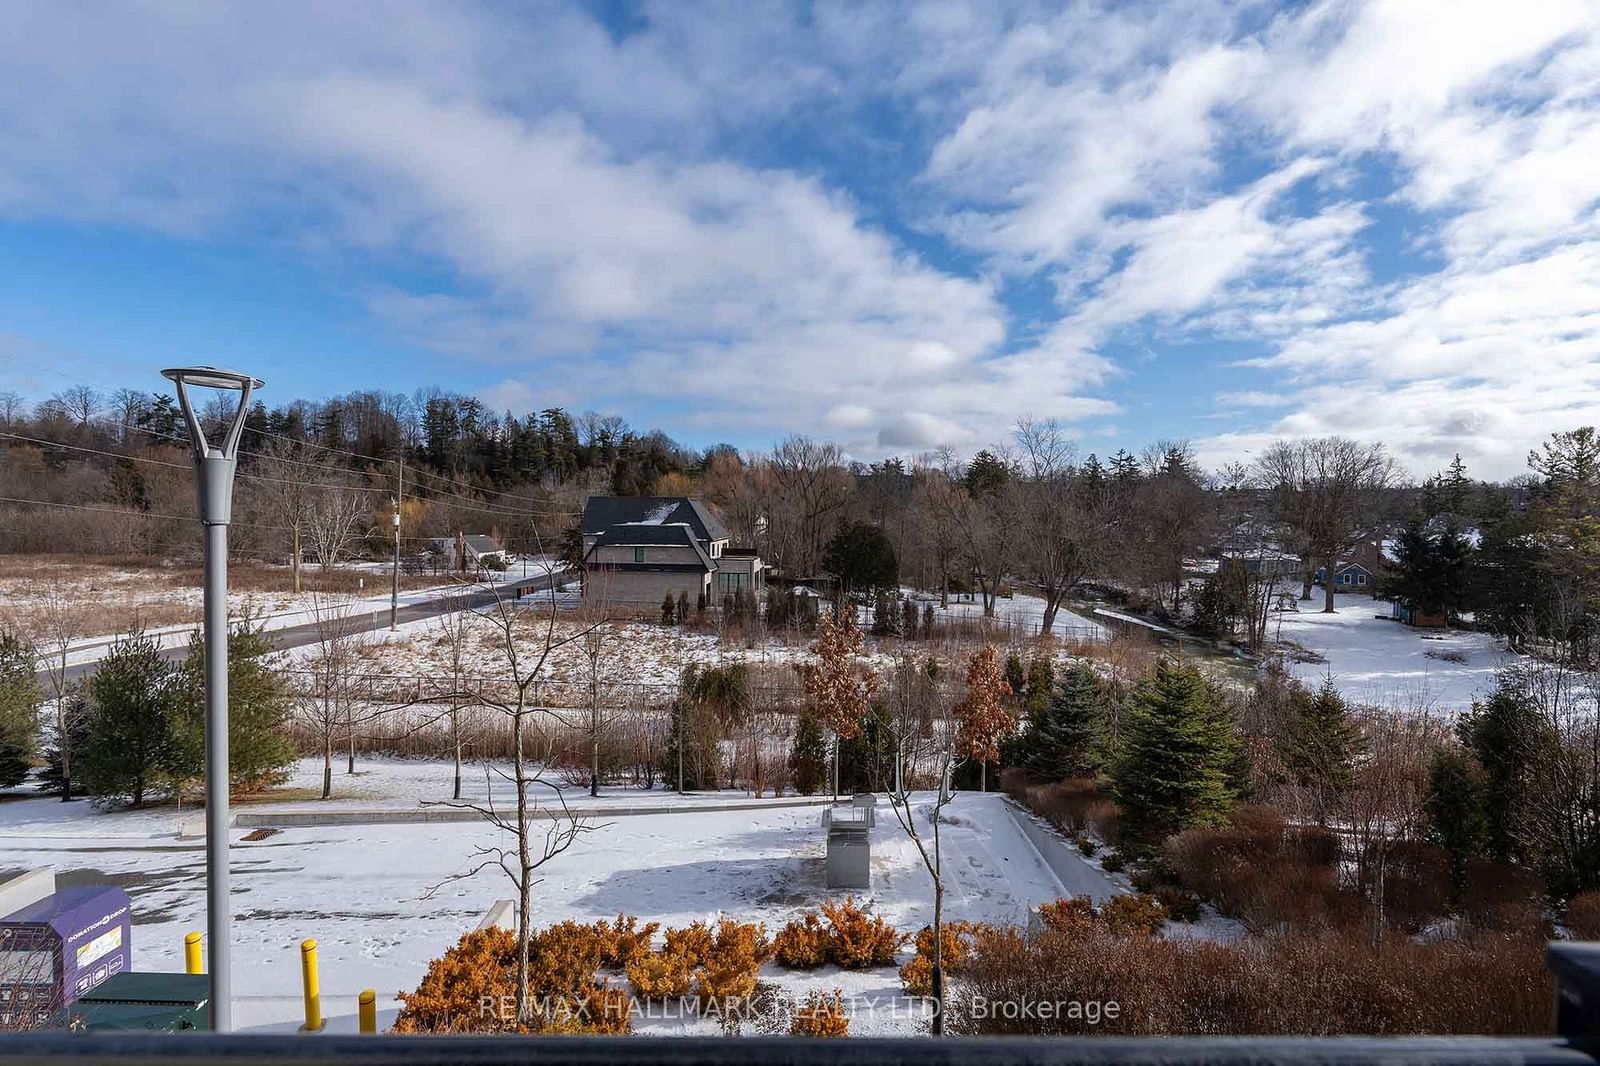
(482, 964)
(1322, 983)
(857, 942)
(1416, 884)
(1180, 906)
(1113, 862)
(1583, 915)
(741, 938)
(623, 941)
(955, 943)
(693, 943)
(1137, 915)
(1068, 915)
(727, 978)
(659, 975)
(1270, 878)
(822, 1014)
(802, 944)
(916, 976)
(1087, 846)
(482, 967)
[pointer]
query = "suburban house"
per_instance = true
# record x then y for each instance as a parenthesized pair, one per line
(641, 549)
(1360, 567)
(470, 552)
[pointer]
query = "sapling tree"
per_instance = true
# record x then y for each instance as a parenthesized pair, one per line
(839, 686)
(538, 830)
(985, 715)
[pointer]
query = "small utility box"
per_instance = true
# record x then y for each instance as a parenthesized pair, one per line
(60, 946)
(850, 843)
(147, 1002)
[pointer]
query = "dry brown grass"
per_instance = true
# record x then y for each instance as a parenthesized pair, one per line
(1318, 984)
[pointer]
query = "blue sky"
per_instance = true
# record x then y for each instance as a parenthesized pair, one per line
(896, 226)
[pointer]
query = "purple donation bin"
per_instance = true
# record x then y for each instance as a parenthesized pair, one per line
(58, 948)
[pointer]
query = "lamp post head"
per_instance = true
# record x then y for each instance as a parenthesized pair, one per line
(214, 463)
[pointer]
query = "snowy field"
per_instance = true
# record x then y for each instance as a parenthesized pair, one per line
(1024, 611)
(381, 902)
(1376, 660)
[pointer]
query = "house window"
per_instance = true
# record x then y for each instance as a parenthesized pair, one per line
(638, 555)
(1361, 579)
(730, 582)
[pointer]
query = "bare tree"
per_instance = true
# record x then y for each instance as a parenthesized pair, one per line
(61, 621)
(1055, 520)
(332, 699)
(454, 626)
(908, 734)
(1329, 491)
(286, 491)
(527, 638)
(80, 403)
(810, 489)
(333, 522)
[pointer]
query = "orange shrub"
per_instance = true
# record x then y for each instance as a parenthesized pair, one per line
(1137, 915)
(624, 940)
(822, 1014)
(802, 944)
(917, 975)
(693, 942)
(659, 976)
(857, 942)
(563, 958)
(741, 938)
(1068, 915)
(482, 964)
(955, 945)
(727, 977)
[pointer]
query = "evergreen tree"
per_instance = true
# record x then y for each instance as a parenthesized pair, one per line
(19, 709)
(1015, 676)
(986, 474)
(1321, 745)
(1503, 733)
(908, 618)
(1065, 736)
(1041, 680)
(128, 745)
(1179, 759)
(808, 757)
(259, 709)
(1454, 805)
(683, 607)
(77, 719)
(669, 609)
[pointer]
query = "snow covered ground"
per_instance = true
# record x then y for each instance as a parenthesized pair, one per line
(1025, 612)
(381, 902)
(1376, 660)
(21, 595)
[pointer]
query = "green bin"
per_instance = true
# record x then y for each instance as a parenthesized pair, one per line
(157, 1002)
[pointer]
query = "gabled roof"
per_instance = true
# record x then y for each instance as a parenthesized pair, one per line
(654, 534)
(602, 512)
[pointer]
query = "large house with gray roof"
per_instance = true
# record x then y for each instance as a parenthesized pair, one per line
(638, 550)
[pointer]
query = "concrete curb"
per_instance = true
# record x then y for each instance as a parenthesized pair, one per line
(404, 816)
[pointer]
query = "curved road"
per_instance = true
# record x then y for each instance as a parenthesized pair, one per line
(306, 632)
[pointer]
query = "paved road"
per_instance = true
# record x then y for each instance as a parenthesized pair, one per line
(378, 618)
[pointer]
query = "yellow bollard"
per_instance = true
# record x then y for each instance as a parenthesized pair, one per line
(308, 978)
(191, 954)
(367, 1009)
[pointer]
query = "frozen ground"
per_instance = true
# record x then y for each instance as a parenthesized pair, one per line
(381, 902)
(1026, 612)
(1375, 660)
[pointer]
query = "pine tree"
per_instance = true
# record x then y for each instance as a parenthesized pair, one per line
(808, 757)
(1041, 680)
(19, 709)
(128, 735)
(1064, 740)
(259, 709)
(1016, 677)
(1454, 805)
(1321, 746)
(908, 619)
(1503, 733)
(683, 607)
(1179, 757)
(669, 609)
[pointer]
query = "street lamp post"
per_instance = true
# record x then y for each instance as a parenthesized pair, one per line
(214, 467)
